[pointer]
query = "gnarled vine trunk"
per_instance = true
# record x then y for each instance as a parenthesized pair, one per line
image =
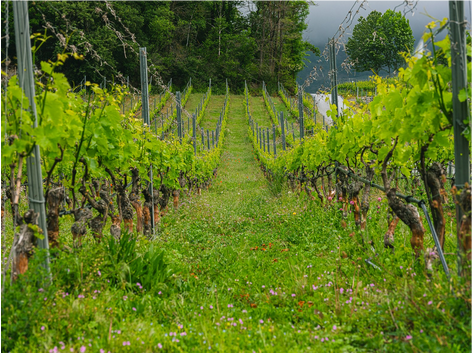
(78, 228)
(147, 210)
(23, 243)
(176, 198)
(353, 190)
(406, 212)
(389, 236)
(102, 206)
(436, 177)
(54, 198)
(164, 199)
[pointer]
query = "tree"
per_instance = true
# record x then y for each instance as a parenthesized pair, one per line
(198, 39)
(377, 41)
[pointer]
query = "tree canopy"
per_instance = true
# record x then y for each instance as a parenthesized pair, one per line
(377, 41)
(197, 39)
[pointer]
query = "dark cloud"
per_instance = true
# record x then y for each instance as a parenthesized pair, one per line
(326, 17)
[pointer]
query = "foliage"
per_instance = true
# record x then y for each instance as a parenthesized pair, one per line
(127, 268)
(181, 38)
(377, 41)
(251, 272)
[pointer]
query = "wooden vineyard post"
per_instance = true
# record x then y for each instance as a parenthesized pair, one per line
(208, 143)
(274, 141)
(457, 25)
(268, 140)
(194, 133)
(283, 142)
(27, 83)
(300, 111)
(178, 116)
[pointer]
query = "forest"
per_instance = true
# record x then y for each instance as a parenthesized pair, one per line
(254, 41)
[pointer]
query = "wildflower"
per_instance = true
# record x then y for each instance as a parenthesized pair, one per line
(134, 309)
(379, 199)
(351, 202)
(329, 198)
(41, 290)
(341, 290)
(159, 293)
(421, 331)
(293, 295)
(409, 337)
(83, 349)
(430, 302)
(334, 328)
(261, 321)
(211, 307)
(98, 272)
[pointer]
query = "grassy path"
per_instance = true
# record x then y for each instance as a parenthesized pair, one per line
(249, 271)
(193, 102)
(215, 235)
(211, 114)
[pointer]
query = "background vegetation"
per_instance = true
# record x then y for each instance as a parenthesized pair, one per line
(199, 39)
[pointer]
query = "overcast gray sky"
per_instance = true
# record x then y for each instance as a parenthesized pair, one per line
(326, 16)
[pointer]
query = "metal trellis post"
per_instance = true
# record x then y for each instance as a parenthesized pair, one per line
(27, 83)
(460, 109)
(146, 121)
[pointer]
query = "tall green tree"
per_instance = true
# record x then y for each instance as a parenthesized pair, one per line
(377, 41)
(197, 39)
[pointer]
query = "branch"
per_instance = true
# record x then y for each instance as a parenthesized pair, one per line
(384, 166)
(56, 161)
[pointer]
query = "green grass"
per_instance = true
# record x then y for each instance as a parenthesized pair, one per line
(211, 114)
(250, 272)
(193, 102)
